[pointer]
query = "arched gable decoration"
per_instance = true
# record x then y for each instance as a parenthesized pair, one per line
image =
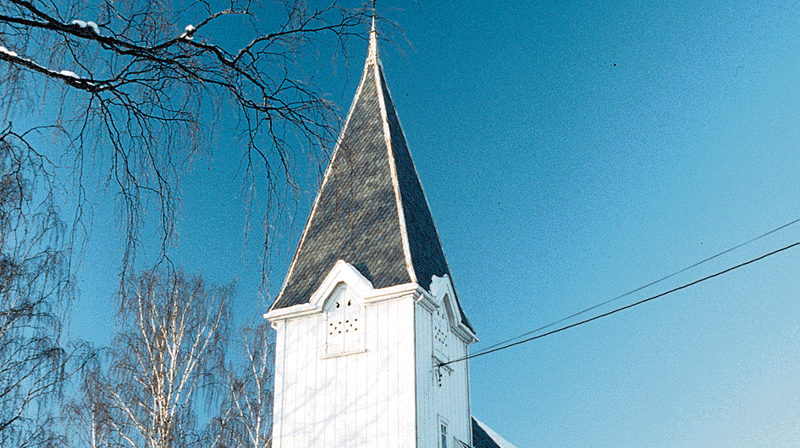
(340, 298)
(342, 272)
(444, 296)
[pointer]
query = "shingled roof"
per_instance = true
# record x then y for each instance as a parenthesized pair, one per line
(370, 210)
(480, 439)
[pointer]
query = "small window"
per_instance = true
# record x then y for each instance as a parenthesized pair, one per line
(445, 439)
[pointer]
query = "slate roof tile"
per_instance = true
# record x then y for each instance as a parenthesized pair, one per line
(480, 439)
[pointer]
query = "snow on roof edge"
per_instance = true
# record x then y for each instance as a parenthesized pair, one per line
(503, 443)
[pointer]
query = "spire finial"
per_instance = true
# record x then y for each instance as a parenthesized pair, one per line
(373, 40)
(373, 32)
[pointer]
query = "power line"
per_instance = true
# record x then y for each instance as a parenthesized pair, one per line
(637, 289)
(486, 352)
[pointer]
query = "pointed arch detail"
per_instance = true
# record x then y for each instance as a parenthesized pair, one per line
(445, 298)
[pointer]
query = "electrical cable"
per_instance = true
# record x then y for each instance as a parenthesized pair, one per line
(557, 330)
(639, 288)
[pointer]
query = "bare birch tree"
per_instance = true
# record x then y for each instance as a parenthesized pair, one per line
(245, 418)
(86, 411)
(33, 296)
(167, 357)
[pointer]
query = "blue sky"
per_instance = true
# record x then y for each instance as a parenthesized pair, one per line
(571, 152)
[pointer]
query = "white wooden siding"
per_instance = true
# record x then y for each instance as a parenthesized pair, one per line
(354, 401)
(450, 400)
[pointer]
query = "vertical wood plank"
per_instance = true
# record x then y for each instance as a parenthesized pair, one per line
(382, 365)
(278, 396)
(406, 373)
(290, 385)
(328, 396)
(373, 354)
(423, 349)
(309, 374)
(394, 375)
(318, 389)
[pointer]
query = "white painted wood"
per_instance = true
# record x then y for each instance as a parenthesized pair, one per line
(374, 381)
(442, 290)
(363, 399)
(319, 406)
(407, 391)
(440, 339)
(383, 360)
(424, 373)
(280, 362)
(385, 395)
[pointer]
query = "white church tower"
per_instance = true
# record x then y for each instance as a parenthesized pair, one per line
(368, 311)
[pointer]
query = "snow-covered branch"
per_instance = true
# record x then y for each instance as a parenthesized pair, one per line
(144, 83)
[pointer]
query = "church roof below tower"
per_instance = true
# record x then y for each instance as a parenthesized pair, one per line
(370, 210)
(485, 437)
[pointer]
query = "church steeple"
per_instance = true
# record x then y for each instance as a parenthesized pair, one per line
(368, 313)
(370, 210)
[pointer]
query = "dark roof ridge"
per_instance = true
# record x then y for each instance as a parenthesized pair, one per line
(381, 84)
(398, 194)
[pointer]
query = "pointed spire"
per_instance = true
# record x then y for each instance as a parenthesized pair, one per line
(372, 56)
(370, 210)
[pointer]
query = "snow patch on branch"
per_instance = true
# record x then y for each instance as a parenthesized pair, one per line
(188, 32)
(14, 54)
(8, 52)
(89, 24)
(38, 67)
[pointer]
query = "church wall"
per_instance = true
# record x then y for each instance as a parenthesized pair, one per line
(449, 401)
(351, 401)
